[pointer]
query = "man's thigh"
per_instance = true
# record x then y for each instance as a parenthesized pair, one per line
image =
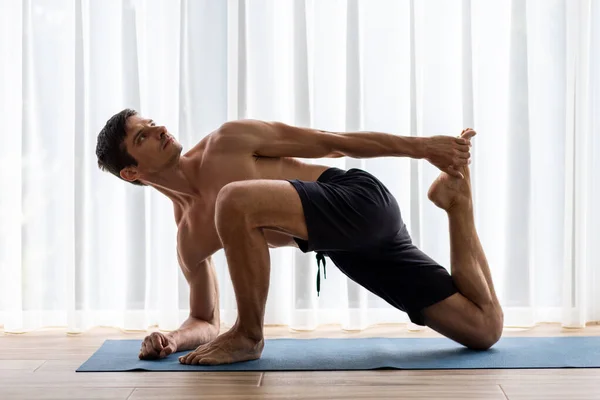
(271, 204)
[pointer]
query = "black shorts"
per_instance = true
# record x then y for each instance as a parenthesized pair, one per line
(354, 220)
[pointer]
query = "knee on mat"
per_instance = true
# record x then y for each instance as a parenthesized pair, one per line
(489, 335)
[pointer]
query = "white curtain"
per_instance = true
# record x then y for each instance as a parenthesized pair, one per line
(80, 248)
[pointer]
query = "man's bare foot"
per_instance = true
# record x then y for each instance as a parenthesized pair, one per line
(230, 347)
(448, 192)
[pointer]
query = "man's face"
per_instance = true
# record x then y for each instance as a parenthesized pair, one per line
(151, 145)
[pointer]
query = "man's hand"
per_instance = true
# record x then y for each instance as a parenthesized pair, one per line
(448, 153)
(156, 346)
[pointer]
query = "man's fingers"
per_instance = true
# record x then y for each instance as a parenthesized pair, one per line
(164, 340)
(156, 342)
(143, 350)
(166, 351)
(462, 154)
(150, 351)
(147, 348)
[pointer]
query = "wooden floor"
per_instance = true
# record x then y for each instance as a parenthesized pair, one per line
(41, 365)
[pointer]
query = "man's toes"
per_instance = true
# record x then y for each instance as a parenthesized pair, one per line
(196, 360)
(184, 359)
(191, 358)
(188, 359)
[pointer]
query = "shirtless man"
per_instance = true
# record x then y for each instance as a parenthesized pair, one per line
(241, 189)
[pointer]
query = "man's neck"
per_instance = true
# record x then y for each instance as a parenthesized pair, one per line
(176, 182)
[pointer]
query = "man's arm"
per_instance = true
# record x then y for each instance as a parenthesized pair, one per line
(276, 139)
(202, 325)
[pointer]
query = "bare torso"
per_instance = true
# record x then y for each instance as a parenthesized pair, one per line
(217, 166)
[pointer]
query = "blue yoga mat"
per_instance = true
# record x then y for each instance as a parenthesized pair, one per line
(371, 353)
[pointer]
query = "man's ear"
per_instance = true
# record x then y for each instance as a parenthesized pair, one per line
(130, 174)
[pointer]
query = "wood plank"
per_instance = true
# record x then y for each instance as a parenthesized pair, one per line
(49, 379)
(26, 365)
(54, 342)
(96, 393)
(489, 392)
(430, 377)
(61, 365)
(46, 353)
(589, 390)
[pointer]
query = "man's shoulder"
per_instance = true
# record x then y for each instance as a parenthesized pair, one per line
(245, 125)
(232, 136)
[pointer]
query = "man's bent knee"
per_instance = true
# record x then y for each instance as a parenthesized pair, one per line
(231, 207)
(231, 197)
(490, 333)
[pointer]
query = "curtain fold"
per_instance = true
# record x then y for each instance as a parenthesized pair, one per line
(80, 248)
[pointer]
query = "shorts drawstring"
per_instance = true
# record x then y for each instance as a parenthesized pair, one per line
(320, 257)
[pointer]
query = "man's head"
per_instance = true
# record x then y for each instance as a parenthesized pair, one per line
(132, 148)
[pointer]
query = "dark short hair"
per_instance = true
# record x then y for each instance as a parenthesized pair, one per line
(110, 148)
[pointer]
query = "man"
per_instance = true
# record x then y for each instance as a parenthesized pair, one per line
(241, 189)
